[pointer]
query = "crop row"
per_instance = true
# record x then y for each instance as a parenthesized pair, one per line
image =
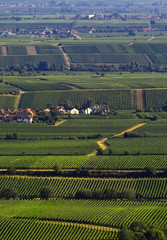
(54, 60)
(20, 228)
(44, 147)
(86, 162)
(8, 101)
(118, 99)
(106, 213)
(108, 58)
(63, 187)
(156, 98)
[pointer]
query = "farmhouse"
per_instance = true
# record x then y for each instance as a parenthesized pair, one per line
(85, 110)
(73, 111)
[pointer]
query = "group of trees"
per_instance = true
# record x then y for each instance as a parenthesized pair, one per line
(138, 231)
(110, 194)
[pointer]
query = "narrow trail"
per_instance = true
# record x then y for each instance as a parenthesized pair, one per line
(102, 143)
(59, 123)
(72, 86)
(139, 99)
(66, 59)
(150, 39)
(148, 58)
(31, 50)
(4, 51)
(77, 37)
(21, 94)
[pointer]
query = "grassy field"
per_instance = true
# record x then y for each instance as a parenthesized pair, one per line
(86, 162)
(47, 147)
(108, 213)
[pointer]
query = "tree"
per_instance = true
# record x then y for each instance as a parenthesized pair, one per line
(46, 193)
(129, 194)
(150, 171)
(56, 168)
(83, 193)
(43, 66)
(11, 170)
(99, 152)
(97, 194)
(111, 194)
(8, 193)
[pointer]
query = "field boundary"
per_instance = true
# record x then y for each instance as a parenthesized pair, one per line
(65, 56)
(4, 51)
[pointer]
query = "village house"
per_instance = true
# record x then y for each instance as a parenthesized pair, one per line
(85, 110)
(73, 111)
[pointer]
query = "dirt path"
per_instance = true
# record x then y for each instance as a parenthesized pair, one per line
(102, 143)
(129, 129)
(139, 99)
(20, 98)
(31, 50)
(59, 123)
(73, 87)
(131, 43)
(66, 59)
(4, 51)
(77, 37)
(148, 58)
(150, 39)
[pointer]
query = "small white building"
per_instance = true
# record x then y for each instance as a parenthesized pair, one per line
(73, 111)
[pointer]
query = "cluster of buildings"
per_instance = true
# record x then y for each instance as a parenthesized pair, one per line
(85, 110)
(21, 115)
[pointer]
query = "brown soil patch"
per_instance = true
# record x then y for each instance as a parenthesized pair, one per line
(31, 50)
(4, 51)
(139, 99)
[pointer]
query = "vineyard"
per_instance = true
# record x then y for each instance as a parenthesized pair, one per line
(47, 147)
(104, 213)
(150, 188)
(118, 99)
(156, 98)
(72, 127)
(85, 162)
(142, 145)
(42, 230)
(8, 101)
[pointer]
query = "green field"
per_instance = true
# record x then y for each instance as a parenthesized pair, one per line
(42, 230)
(70, 128)
(47, 147)
(156, 98)
(8, 101)
(144, 145)
(85, 162)
(117, 99)
(108, 213)
(88, 80)
(150, 188)
(154, 129)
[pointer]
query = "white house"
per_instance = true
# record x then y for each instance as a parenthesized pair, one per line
(86, 110)
(73, 111)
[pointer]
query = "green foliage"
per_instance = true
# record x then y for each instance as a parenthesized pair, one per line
(46, 193)
(105, 213)
(150, 188)
(86, 162)
(8, 193)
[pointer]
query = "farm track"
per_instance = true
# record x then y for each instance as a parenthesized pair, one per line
(21, 94)
(74, 169)
(59, 123)
(148, 58)
(139, 99)
(102, 143)
(66, 59)
(4, 51)
(31, 50)
(150, 39)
